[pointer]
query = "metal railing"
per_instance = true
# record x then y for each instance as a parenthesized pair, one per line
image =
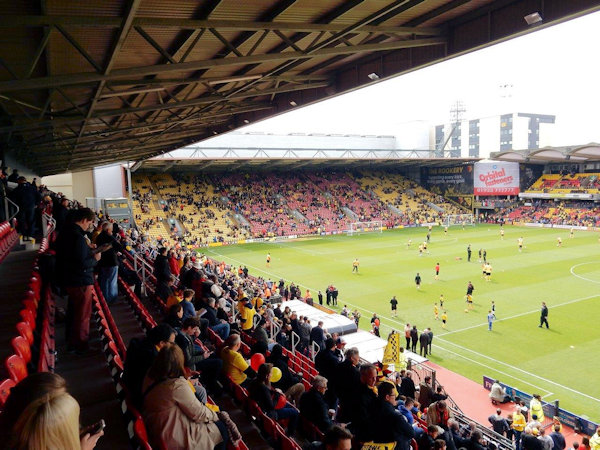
(7, 203)
(48, 224)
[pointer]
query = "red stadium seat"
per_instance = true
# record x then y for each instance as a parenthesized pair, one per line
(5, 388)
(25, 330)
(16, 368)
(288, 443)
(27, 316)
(139, 431)
(21, 348)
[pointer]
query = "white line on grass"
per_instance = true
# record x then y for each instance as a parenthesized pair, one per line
(451, 343)
(518, 315)
(521, 370)
(579, 276)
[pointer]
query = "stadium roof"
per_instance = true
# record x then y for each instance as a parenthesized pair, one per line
(84, 83)
(576, 154)
(244, 159)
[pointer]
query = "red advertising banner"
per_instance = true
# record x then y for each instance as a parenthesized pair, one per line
(496, 178)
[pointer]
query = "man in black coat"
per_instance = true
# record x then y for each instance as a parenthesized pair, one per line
(327, 363)
(407, 385)
(162, 271)
(346, 381)
(423, 343)
(75, 263)
(313, 406)
(195, 358)
(109, 263)
(26, 197)
(388, 424)
(317, 335)
(414, 337)
(363, 403)
(140, 356)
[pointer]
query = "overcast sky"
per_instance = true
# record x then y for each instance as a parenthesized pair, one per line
(551, 71)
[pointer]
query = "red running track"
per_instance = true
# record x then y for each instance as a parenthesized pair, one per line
(475, 402)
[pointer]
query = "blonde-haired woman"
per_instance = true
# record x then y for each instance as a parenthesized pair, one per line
(51, 422)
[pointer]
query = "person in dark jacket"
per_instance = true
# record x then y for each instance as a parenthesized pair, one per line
(140, 356)
(174, 316)
(427, 440)
(389, 425)
(289, 383)
(267, 398)
(425, 393)
(197, 359)
(414, 337)
(317, 335)
(60, 213)
(26, 197)
(221, 327)
(558, 439)
(407, 385)
(313, 406)
(346, 381)
(75, 263)
(362, 404)
(109, 263)
(423, 343)
(162, 271)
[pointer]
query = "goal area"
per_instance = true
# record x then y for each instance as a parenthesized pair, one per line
(459, 219)
(363, 227)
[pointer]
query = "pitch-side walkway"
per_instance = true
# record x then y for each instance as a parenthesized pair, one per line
(475, 402)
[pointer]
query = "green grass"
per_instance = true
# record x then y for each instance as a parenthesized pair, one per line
(559, 363)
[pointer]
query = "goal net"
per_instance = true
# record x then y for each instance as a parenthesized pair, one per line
(362, 227)
(459, 219)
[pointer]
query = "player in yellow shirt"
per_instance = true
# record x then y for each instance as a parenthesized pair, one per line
(558, 242)
(355, 265)
(444, 319)
(442, 300)
(502, 233)
(268, 260)
(436, 311)
(520, 243)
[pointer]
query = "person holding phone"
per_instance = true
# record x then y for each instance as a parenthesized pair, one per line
(40, 413)
(75, 264)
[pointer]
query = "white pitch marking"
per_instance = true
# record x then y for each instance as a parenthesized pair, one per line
(519, 315)
(451, 343)
(581, 277)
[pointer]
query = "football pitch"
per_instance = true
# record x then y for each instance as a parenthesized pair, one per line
(558, 363)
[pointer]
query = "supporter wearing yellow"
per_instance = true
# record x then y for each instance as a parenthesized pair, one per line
(535, 406)
(257, 302)
(595, 440)
(518, 425)
(234, 363)
(247, 314)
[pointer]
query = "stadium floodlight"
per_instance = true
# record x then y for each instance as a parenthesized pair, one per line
(533, 18)
(373, 76)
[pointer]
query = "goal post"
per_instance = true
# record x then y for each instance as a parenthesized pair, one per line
(362, 227)
(459, 219)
